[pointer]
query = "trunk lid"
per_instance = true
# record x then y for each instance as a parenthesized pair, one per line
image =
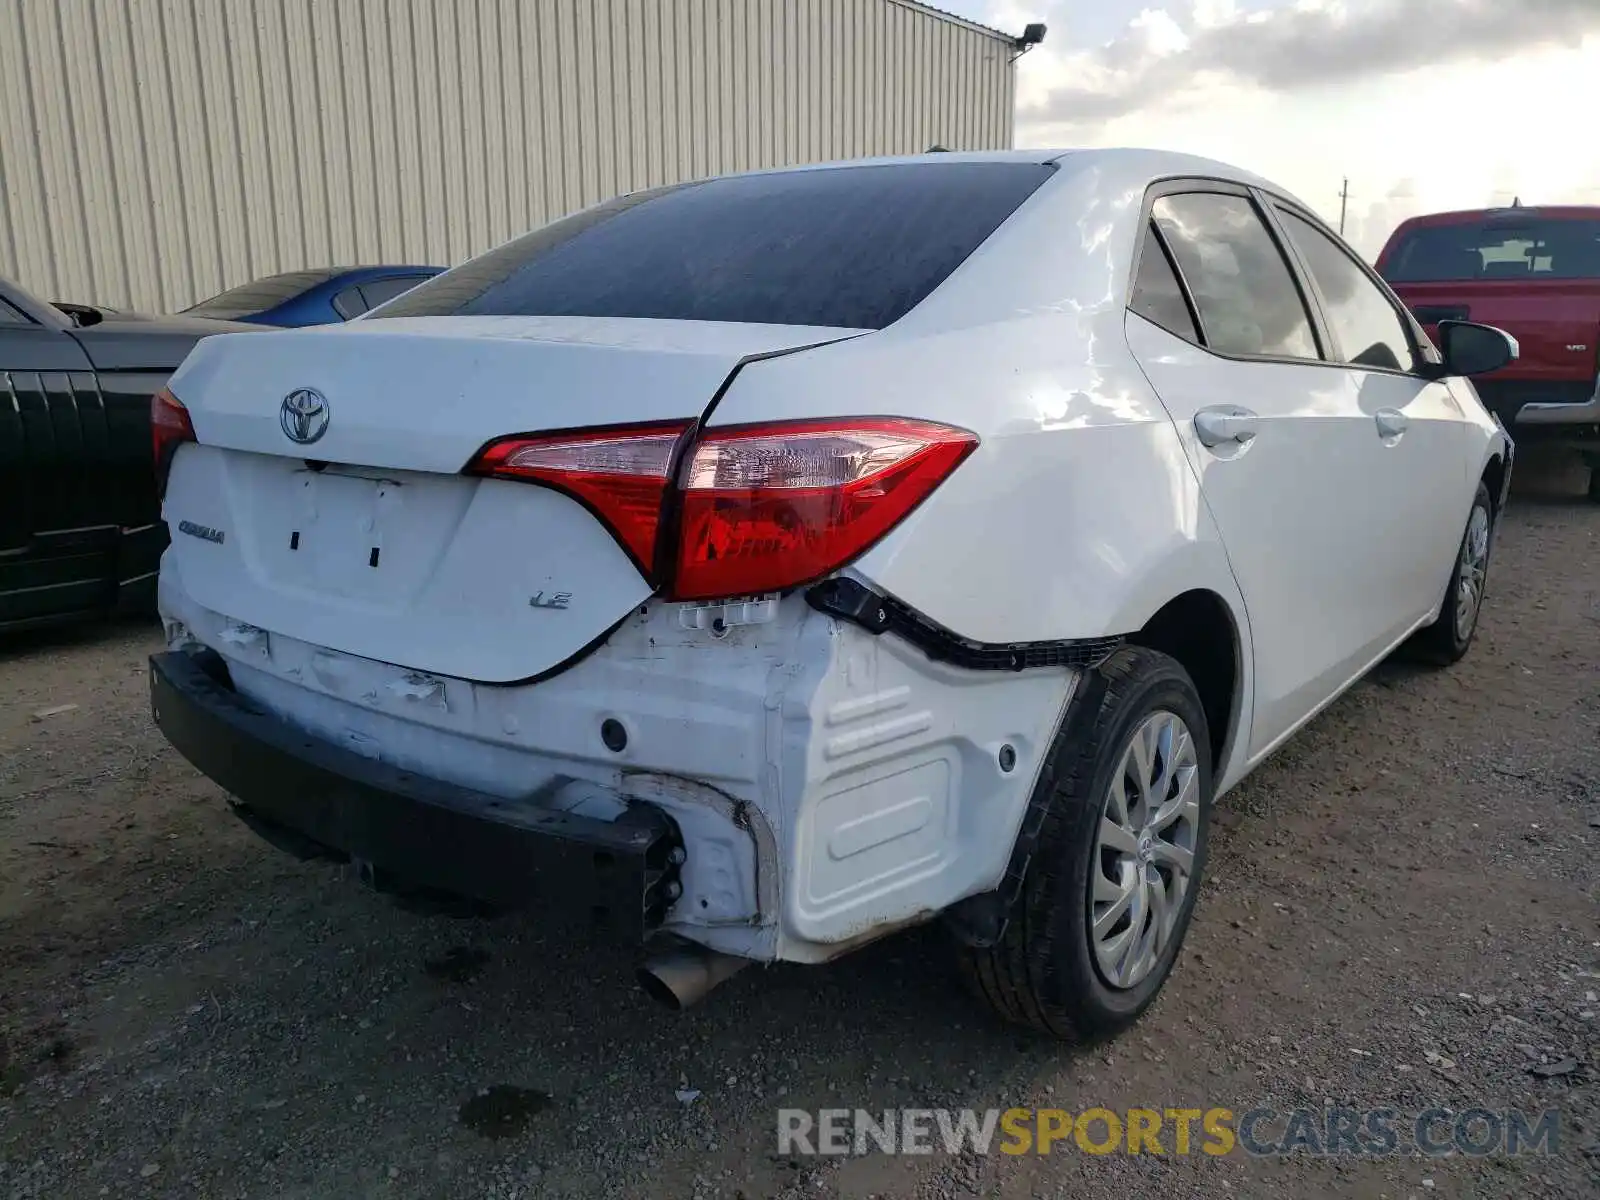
(133, 342)
(369, 540)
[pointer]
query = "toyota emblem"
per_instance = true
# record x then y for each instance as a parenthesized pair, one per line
(304, 415)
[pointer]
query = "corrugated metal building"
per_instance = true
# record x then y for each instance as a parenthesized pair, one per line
(155, 152)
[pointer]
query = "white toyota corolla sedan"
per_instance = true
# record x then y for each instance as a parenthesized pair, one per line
(768, 563)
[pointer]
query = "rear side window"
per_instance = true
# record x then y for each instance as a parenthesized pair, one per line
(1156, 295)
(1369, 331)
(1509, 247)
(381, 291)
(854, 247)
(1249, 302)
(349, 303)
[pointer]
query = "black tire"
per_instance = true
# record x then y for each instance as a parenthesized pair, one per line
(1042, 974)
(1594, 482)
(1443, 642)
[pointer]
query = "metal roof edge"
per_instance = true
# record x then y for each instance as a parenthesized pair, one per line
(941, 15)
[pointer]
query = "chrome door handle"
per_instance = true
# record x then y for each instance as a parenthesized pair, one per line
(1391, 422)
(1214, 426)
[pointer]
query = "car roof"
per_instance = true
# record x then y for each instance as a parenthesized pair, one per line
(1124, 161)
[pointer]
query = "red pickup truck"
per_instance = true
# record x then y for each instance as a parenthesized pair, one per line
(1534, 272)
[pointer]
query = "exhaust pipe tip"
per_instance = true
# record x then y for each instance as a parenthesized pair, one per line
(659, 990)
(682, 977)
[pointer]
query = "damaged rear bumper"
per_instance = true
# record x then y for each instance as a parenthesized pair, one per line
(429, 833)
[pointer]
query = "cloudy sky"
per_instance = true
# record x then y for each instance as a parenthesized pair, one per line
(1423, 104)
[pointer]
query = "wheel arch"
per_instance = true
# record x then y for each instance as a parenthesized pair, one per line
(1200, 630)
(1190, 607)
(1203, 626)
(1495, 477)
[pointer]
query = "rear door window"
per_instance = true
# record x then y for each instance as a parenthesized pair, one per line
(1369, 330)
(1513, 246)
(1248, 300)
(1157, 295)
(855, 247)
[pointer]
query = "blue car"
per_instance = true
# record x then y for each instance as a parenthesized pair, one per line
(321, 296)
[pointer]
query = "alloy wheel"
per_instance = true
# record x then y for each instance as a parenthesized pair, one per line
(1144, 851)
(1474, 569)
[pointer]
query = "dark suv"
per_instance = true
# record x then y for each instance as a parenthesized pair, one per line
(80, 526)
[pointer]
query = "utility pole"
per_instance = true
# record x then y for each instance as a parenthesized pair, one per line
(1344, 201)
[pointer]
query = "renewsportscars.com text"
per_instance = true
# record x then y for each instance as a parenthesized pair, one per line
(1259, 1132)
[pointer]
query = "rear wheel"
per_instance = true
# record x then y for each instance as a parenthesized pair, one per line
(1447, 639)
(1594, 478)
(1107, 899)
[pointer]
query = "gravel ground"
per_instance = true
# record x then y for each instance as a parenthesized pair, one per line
(1401, 911)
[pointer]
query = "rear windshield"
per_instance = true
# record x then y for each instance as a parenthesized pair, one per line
(1497, 248)
(856, 247)
(260, 294)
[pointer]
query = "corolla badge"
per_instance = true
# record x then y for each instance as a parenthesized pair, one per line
(204, 532)
(304, 415)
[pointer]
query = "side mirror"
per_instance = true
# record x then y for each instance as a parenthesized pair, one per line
(1472, 349)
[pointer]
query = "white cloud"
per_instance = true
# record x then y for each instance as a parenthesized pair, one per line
(1160, 32)
(1424, 104)
(1164, 55)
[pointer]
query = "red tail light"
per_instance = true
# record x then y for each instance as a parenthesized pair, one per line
(170, 427)
(776, 506)
(620, 475)
(758, 508)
